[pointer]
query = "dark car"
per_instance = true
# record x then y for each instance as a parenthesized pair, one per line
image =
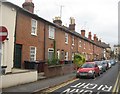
(89, 69)
(105, 64)
(101, 66)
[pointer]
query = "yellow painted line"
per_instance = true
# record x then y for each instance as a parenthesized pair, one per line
(59, 86)
(115, 86)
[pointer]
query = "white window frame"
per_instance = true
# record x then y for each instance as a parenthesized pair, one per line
(73, 54)
(34, 54)
(51, 32)
(66, 55)
(58, 54)
(66, 38)
(73, 40)
(80, 44)
(50, 50)
(33, 26)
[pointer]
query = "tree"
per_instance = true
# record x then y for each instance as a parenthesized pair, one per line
(79, 60)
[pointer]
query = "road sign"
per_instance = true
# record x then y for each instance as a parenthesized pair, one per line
(3, 33)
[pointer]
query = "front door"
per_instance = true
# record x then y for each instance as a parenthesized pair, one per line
(17, 56)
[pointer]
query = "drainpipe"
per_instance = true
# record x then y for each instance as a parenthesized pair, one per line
(15, 36)
(44, 42)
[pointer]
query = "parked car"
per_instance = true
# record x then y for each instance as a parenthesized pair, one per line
(101, 66)
(112, 62)
(116, 61)
(105, 64)
(88, 69)
(109, 64)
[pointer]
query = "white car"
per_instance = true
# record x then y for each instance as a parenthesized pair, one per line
(109, 64)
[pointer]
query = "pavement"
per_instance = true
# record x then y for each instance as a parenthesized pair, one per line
(40, 84)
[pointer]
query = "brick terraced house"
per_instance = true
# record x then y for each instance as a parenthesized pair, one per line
(36, 38)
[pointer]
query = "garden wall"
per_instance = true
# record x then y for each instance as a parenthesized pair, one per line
(57, 70)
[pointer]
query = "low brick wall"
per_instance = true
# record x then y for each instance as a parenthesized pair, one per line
(67, 68)
(57, 70)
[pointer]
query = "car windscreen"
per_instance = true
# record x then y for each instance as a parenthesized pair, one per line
(98, 63)
(103, 62)
(88, 65)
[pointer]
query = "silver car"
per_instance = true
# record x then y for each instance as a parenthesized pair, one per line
(101, 66)
(109, 64)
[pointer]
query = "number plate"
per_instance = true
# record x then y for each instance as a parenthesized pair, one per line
(83, 74)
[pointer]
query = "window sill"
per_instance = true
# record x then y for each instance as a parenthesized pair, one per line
(51, 38)
(34, 34)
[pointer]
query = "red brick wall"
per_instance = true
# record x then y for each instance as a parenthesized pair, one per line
(51, 71)
(24, 37)
(60, 42)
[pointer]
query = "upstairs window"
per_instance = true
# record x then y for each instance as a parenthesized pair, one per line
(33, 27)
(73, 40)
(66, 38)
(32, 53)
(80, 44)
(51, 32)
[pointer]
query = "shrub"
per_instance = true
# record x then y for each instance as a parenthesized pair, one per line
(79, 59)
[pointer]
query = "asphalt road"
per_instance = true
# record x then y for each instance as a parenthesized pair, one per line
(105, 83)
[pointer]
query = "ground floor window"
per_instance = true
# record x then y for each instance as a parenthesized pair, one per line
(72, 56)
(50, 53)
(66, 55)
(58, 54)
(62, 55)
(32, 53)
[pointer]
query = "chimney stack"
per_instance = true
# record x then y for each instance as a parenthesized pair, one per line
(28, 5)
(95, 38)
(99, 40)
(89, 36)
(83, 33)
(57, 21)
(72, 24)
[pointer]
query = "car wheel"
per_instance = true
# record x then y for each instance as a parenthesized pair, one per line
(93, 77)
(77, 76)
(105, 70)
(99, 73)
(102, 71)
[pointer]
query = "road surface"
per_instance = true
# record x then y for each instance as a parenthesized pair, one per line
(105, 83)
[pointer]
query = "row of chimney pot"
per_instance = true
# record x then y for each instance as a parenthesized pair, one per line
(29, 6)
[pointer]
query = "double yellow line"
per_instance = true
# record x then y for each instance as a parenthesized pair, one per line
(52, 89)
(117, 85)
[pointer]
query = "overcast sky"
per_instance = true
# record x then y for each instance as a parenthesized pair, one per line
(98, 16)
